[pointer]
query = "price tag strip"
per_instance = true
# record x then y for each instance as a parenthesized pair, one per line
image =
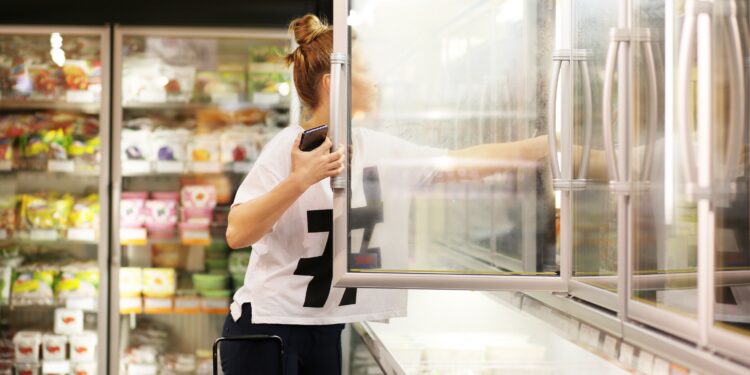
(133, 236)
(63, 166)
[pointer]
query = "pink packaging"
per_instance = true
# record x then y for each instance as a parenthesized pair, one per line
(161, 214)
(199, 196)
(197, 215)
(166, 195)
(132, 212)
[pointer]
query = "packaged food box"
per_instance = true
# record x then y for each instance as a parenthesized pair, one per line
(55, 367)
(27, 345)
(239, 143)
(205, 148)
(34, 285)
(132, 209)
(169, 144)
(78, 281)
(199, 196)
(159, 282)
(83, 347)
(131, 281)
(161, 214)
(68, 321)
(54, 346)
(84, 368)
(26, 368)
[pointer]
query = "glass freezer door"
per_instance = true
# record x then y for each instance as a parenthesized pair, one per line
(446, 113)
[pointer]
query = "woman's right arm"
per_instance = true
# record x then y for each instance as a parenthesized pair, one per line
(250, 221)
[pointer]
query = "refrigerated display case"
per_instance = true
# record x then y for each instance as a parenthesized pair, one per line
(54, 175)
(193, 108)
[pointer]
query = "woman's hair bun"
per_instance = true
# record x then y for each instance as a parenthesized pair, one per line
(306, 29)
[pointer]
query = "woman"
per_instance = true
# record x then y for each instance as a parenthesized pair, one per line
(283, 209)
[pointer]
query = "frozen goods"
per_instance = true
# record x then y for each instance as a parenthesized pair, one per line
(84, 368)
(55, 367)
(167, 255)
(132, 209)
(135, 144)
(199, 196)
(8, 215)
(131, 281)
(68, 321)
(27, 345)
(205, 148)
(85, 212)
(169, 144)
(78, 281)
(159, 282)
(54, 346)
(45, 211)
(239, 143)
(34, 285)
(83, 347)
(26, 368)
(160, 214)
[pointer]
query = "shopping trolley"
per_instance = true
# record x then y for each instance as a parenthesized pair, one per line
(276, 339)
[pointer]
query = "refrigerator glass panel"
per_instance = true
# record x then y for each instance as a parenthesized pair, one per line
(732, 246)
(594, 206)
(50, 197)
(435, 113)
(194, 113)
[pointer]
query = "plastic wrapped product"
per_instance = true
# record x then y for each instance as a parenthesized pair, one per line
(50, 211)
(78, 281)
(83, 347)
(85, 212)
(159, 282)
(205, 148)
(54, 347)
(34, 285)
(68, 321)
(136, 144)
(27, 345)
(169, 144)
(198, 196)
(132, 209)
(161, 214)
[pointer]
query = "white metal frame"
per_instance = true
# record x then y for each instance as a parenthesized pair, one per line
(104, 196)
(116, 253)
(340, 134)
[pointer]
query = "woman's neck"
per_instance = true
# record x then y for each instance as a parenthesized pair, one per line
(318, 117)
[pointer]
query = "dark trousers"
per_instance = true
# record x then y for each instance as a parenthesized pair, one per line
(308, 349)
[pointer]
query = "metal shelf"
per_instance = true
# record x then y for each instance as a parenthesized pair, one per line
(194, 106)
(30, 105)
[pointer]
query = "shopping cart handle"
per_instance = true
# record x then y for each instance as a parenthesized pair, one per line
(248, 338)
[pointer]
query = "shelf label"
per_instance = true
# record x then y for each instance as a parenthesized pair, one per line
(206, 167)
(133, 236)
(5, 165)
(157, 305)
(65, 166)
(80, 96)
(44, 235)
(196, 237)
(170, 166)
(242, 167)
(645, 362)
(590, 335)
(88, 304)
(134, 167)
(82, 234)
(131, 305)
(626, 354)
(610, 346)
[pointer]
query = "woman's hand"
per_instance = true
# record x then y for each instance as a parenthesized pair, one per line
(308, 168)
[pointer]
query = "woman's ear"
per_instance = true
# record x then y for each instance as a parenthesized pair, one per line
(327, 82)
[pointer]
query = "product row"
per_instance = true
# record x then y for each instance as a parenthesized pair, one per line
(49, 216)
(54, 141)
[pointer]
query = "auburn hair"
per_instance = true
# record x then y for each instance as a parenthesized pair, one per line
(312, 58)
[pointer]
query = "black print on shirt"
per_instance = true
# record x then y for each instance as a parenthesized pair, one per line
(321, 267)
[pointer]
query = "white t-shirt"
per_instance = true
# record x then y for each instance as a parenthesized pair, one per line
(289, 277)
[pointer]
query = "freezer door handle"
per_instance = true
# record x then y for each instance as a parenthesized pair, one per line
(619, 39)
(339, 115)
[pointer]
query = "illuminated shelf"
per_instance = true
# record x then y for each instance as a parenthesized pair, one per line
(28, 105)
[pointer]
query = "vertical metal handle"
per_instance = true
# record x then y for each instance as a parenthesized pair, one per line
(653, 116)
(551, 117)
(737, 100)
(588, 122)
(684, 114)
(609, 72)
(339, 114)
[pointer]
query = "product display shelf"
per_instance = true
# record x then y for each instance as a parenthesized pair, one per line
(196, 106)
(15, 105)
(131, 169)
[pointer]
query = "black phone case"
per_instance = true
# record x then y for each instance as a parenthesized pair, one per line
(312, 138)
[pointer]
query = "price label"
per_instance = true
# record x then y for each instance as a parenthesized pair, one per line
(44, 235)
(242, 167)
(82, 234)
(130, 305)
(5, 165)
(645, 362)
(135, 167)
(133, 236)
(206, 167)
(170, 167)
(157, 305)
(196, 237)
(80, 96)
(64, 166)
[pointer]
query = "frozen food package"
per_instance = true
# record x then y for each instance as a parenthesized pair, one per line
(142, 80)
(131, 281)
(136, 138)
(198, 196)
(68, 321)
(160, 214)
(34, 284)
(169, 144)
(239, 143)
(132, 209)
(204, 147)
(46, 211)
(8, 215)
(84, 368)
(54, 346)
(85, 212)
(159, 282)
(27, 345)
(83, 347)
(78, 281)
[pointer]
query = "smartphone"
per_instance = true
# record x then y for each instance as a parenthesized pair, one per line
(312, 138)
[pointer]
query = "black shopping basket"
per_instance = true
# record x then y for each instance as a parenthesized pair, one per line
(276, 339)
